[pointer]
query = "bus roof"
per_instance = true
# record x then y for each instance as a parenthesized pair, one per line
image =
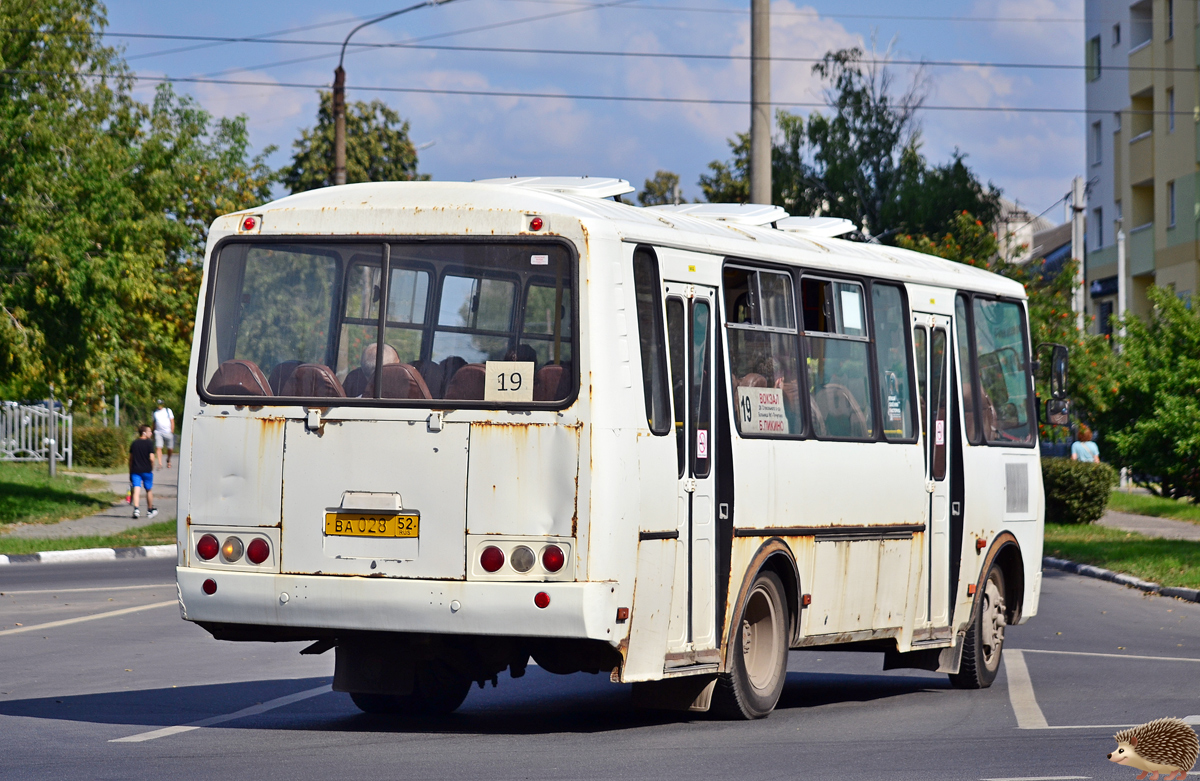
(372, 208)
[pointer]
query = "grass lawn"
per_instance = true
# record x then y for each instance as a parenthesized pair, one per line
(1168, 562)
(28, 495)
(155, 534)
(1145, 504)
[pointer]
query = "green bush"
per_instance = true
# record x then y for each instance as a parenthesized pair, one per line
(1076, 491)
(100, 446)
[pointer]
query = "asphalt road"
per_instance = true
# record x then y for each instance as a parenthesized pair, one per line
(69, 690)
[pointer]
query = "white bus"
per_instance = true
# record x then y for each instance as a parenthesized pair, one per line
(447, 428)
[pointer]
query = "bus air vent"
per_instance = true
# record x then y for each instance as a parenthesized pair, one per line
(1017, 488)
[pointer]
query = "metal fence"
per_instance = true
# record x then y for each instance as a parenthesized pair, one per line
(26, 433)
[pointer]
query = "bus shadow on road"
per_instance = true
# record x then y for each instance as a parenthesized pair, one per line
(540, 703)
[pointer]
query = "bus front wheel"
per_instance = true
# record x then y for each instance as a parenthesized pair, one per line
(437, 690)
(984, 641)
(750, 689)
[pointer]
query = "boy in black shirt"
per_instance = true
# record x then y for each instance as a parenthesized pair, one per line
(141, 471)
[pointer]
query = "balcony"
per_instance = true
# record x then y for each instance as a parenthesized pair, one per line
(1141, 159)
(1141, 250)
(1141, 77)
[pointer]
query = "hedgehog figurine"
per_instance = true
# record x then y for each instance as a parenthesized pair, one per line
(1166, 746)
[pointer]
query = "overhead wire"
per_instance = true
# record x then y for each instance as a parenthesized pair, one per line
(557, 95)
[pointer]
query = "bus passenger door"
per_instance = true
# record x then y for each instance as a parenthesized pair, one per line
(691, 315)
(931, 339)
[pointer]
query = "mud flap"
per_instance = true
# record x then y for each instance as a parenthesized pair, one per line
(369, 668)
(690, 693)
(938, 660)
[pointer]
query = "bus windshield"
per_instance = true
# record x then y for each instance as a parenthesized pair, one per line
(401, 323)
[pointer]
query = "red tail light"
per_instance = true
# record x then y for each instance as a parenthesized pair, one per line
(541, 599)
(207, 547)
(258, 550)
(553, 558)
(209, 586)
(492, 558)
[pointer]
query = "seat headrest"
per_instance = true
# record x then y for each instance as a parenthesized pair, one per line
(313, 380)
(239, 378)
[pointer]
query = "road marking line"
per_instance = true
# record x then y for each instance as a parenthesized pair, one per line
(92, 617)
(81, 590)
(1020, 692)
(1039, 778)
(253, 710)
(1114, 656)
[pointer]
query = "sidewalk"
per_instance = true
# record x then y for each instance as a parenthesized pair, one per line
(117, 518)
(1150, 526)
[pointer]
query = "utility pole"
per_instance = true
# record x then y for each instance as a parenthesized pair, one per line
(339, 92)
(1078, 237)
(760, 101)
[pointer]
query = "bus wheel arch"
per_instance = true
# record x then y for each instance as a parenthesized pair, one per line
(760, 633)
(1006, 554)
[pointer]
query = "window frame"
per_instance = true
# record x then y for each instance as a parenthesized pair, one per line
(913, 400)
(660, 337)
(973, 351)
(387, 242)
(872, 363)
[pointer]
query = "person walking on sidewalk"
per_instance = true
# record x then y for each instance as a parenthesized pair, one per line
(164, 432)
(1084, 449)
(141, 472)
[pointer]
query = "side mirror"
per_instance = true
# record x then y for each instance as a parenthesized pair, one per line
(1058, 412)
(1058, 374)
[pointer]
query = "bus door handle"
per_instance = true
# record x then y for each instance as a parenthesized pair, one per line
(689, 485)
(929, 485)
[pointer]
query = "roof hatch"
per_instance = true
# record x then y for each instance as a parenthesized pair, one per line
(585, 186)
(826, 227)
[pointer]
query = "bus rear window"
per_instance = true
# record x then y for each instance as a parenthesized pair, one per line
(402, 322)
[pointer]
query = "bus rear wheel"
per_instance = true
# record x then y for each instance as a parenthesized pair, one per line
(751, 688)
(984, 642)
(437, 690)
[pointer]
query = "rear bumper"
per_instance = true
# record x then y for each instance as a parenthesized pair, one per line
(576, 610)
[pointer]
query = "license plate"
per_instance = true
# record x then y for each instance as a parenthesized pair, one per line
(371, 525)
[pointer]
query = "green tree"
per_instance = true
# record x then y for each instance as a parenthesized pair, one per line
(378, 148)
(663, 188)
(861, 160)
(1152, 425)
(104, 202)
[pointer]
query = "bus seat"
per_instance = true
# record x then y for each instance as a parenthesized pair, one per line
(433, 375)
(753, 380)
(281, 372)
(400, 381)
(239, 378)
(547, 381)
(836, 401)
(467, 383)
(313, 379)
(450, 367)
(356, 382)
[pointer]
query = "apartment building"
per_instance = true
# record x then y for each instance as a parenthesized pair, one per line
(1143, 149)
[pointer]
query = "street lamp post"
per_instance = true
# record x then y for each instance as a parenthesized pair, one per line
(339, 92)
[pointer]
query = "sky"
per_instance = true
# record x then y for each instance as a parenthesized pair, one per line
(1030, 156)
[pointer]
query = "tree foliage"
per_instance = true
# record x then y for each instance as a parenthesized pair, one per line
(662, 189)
(861, 160)
(1152, 424)
(378, 148)
(104, 202)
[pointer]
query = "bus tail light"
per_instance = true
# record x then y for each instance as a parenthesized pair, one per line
(207, 547)
(232, 550)
(209, 587)
(522, 558)
(491, 559)
(541, 599)
(553, 558)
(258, 551)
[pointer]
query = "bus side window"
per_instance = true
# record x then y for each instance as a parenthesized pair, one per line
(1000, 358)
(963, 337)
(838, 361)
(676, 339)
(648, 291)
(892, 354)
(760, 312)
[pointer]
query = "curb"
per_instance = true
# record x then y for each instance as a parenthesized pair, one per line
(1087, 570)
(92, 554)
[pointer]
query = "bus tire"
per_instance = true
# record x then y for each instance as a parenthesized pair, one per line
(758, 668)
(984, 642)
(437, 691)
